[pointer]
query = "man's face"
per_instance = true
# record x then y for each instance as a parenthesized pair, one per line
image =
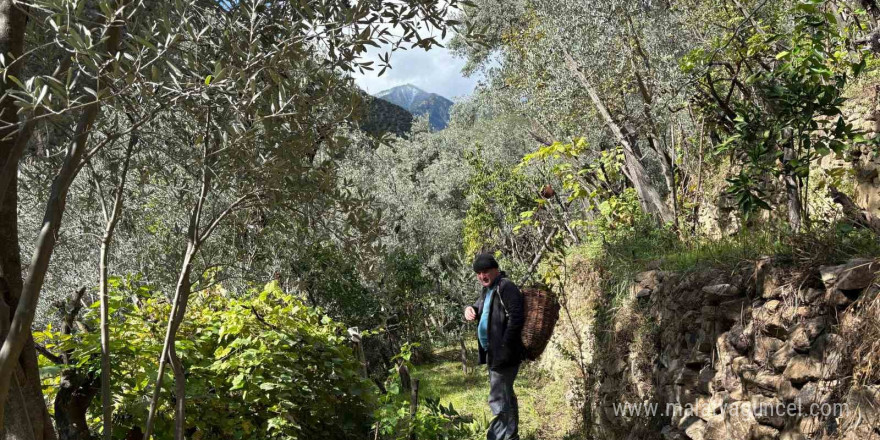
(487, 276)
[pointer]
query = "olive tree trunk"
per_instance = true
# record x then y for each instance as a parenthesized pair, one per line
(635, 171)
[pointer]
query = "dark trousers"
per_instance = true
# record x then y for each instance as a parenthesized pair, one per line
(502, 401)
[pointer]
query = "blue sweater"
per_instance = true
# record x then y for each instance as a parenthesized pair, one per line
(483, 327)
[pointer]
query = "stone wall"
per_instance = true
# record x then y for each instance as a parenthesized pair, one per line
(757, 353)
(863, 111)
(718, 215)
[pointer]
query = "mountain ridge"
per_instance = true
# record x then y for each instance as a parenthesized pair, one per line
(419, 102)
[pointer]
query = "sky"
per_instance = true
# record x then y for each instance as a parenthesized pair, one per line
(435, 71)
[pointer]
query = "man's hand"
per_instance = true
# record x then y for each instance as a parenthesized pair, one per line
(470, 314)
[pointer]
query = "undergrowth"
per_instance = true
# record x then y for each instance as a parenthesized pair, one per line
(643, 246)
(543, 411)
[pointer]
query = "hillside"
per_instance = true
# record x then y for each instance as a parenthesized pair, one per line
(383, 116)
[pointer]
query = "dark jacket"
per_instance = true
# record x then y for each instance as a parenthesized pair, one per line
(505, 327)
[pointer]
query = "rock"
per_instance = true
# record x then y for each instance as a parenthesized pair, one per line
(791, 435)
(803, 334)
(766, 411)
(762, 432)
(780, 359)
(670, 433)
(765, 347)
(817, 393)
(810, 426)
(836, 298)
(694, 428)
(812, 294)
(739, 338)
(770, 320)
(644, 293)
(736, 310)
(857, 274)
(721, 292)
(803, 369)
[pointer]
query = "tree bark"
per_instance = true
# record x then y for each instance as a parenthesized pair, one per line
(24, 406)
(170, 334)
(636, 171)
(792, 191)
(667, 164)
(18, 337)
(75, 395)
(77, 388)
(195, 237)
(112, 219)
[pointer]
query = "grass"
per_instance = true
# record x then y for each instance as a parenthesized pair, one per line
(543, 411)
(644, 246)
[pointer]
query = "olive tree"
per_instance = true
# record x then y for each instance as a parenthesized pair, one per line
(240, 77)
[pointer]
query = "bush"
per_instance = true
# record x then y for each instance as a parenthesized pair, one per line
(261, 367)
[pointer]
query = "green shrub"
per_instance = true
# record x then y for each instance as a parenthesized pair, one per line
(260, 367)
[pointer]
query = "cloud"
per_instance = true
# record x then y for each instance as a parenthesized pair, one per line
(436, 71)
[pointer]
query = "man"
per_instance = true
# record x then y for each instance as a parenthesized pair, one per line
(500, 313)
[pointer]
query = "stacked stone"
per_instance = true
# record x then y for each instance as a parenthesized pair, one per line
(863, 112)
(751, 356)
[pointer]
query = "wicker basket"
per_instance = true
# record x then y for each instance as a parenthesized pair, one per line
(542, 312)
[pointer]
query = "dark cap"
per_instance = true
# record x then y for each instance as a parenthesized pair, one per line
(484, 262)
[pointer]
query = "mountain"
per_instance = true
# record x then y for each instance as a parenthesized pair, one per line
(419, 102)
(383, 116)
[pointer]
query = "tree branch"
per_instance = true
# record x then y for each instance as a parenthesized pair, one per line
(229, 209)
(54, 358)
